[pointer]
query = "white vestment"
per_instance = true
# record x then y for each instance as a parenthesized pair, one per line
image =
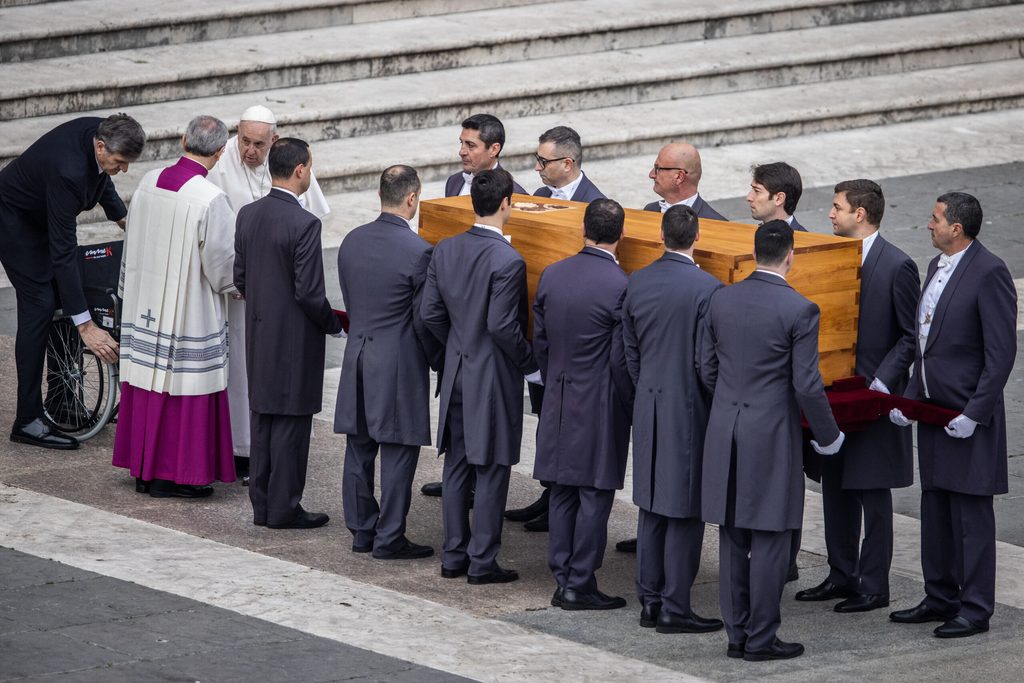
(244, 185)
(179, 254)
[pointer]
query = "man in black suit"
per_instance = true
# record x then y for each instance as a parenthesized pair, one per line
(63, 173)
(775, 191)
(857, 483)
(967, 342)
(475, 303)
(279, 269)
(583, 434)
(676, 174)
(480, 144)
(758, 354)
(559, 164)
(664, 306)
(384, 394)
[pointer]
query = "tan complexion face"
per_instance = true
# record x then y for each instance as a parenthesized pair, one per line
(474, 154)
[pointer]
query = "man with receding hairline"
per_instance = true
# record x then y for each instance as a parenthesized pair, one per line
(384, 394)
(559, 164)
(676, 174)
(279, 269)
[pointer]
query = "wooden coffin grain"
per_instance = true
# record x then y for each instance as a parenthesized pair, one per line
(826, 268)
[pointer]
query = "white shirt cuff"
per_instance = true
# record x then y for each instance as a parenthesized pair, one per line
(81, 318)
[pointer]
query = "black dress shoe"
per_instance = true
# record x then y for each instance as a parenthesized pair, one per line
(497, 575)
(649, 615)
(356, 548)
(539, 524)
(38, 433)
(162, 488)
(627, 546)
(919, 615)
(862, 603)
(958, 627)
(793, 574)
(826, 590)
(431, 489)
(692, 623)
(455, 573)
(241, 467)
(778, 650)
(141, 485)
(735, 651)
(303, 520)
(573, 600)
(531, 511)
(245, 480)
(259, 522)
(408, 551)
(556, 599)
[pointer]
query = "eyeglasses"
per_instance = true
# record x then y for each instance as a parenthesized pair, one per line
(544, 162)
(659, 169)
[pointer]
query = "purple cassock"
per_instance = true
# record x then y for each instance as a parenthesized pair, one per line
(184, 439)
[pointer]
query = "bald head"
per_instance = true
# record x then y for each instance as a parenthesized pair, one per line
(676, 172)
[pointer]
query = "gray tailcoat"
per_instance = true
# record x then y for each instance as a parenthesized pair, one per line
(382, 266)
(660, 316)
(759, 357)
(583, 435)
(279, 268)
(700, 207)
(475, 303)
(970, 352)
(881, 457)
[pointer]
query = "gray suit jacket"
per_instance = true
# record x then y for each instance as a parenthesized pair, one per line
(881, 456)
(970, 352)
(700, 207)
(475, 303)
(664, 305)
(586, 191)
(759, 358)
(279, 268)
(381, 267)
(583, 435)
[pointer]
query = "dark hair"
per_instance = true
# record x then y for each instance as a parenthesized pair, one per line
(864, 194)
(396, 183)
(679, 227)
(964, 209)
(567, 142)
(772, 242)
(780, 177)
(488, 189)
(285, 155)
(121, 134)
(489, 127)
(205, 136)
(603, 220)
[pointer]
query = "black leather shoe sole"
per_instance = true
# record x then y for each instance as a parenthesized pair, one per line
(417, 553)
(918, 615)
(704, 626)
(495, 577)
(774, 653)
(431, 489)
(45, 443)
(627, 546)
(180, 491)
(862, 603)
(959, 628)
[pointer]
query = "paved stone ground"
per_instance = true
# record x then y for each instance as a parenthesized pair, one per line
(843, 648)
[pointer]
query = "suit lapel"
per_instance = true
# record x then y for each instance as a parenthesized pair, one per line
(948, 292)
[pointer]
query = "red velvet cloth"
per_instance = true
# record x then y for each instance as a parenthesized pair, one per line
(855, 406)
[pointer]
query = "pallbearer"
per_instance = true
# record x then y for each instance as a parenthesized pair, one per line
(665, 303)
(583, 434)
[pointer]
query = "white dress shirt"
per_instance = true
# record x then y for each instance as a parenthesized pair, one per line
(865, 246)
(566, 191)
(689, 201)
(467, 180)
(930, 301)
(771, 272)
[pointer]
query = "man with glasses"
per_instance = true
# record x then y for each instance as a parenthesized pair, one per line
(676, 175)
(559, 160)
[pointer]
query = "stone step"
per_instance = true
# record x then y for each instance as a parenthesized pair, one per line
(233, 65)
(612, 78)
(355, 164)
(90, 26)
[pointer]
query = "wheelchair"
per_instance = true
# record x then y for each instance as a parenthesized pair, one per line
(80, 391)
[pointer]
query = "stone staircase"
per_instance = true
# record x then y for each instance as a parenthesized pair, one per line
(375, 82)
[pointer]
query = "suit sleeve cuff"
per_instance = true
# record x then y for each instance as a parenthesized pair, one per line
(81, 318)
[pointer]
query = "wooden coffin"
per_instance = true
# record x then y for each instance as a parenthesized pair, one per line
(826, 268)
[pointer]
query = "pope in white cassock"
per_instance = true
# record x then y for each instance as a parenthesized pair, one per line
(243, 175)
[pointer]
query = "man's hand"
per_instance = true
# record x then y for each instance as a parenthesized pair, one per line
(897, 417)
(879, 385)
(830, 449)
(99, 342)
(961, 427)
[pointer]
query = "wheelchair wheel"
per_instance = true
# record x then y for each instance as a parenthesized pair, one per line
(79, 390)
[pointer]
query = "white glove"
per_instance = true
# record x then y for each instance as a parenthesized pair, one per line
(339, 335)
(961, 427)
(879, 385)
(897, 417)
(534, 378)
(832, 448)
